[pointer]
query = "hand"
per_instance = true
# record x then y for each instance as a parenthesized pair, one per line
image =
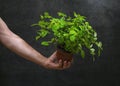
(53, 63)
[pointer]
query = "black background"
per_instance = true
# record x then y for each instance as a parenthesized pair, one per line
(104, 16)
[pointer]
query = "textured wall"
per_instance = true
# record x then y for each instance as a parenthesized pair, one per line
(104, 16)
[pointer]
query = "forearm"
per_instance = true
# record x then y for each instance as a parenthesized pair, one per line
(19, 46)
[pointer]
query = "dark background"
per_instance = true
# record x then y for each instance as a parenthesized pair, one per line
(104, 16)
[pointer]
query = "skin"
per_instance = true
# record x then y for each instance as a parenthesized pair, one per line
(23, 49)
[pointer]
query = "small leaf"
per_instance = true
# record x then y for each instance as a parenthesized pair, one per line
(92, 51)
(34, 24)
(42, 17)
(90, 27)
(80, 46)
(73, 32)
(87, 23)
(42, 24)
(95, 34)
(91, 45)
(99, 44)
(82, 53)
(99, 52)
(44, 43)
(43, 33)
(37, 37)
(75, 14)
(46, 14)
(61, 14)
(72, 38)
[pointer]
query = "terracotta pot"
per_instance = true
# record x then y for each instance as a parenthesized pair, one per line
(65, 56)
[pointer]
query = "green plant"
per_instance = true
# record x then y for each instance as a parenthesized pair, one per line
(72, 34)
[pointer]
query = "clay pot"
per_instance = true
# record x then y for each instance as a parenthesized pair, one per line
(65, 56)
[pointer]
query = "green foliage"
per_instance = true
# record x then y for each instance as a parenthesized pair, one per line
(72, 33)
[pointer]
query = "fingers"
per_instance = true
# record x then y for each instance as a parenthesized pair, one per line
(66, 64)
(60, 63)
(53, 56)
(53, 63)
(63, 65)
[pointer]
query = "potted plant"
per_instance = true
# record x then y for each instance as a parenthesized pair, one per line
(70, 35)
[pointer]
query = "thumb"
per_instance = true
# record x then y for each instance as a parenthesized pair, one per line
(53, 56)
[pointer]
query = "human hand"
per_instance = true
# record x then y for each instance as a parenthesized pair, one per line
(53, 63)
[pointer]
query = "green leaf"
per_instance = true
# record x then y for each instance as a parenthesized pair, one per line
(92, 51)
(82, 53)
(65, 34)
(95, 34)
(87, 23)
(43, 33)
(72, 38)
(89, 27)
(37, 37)
(42, 17)
(46, 15)
(45, 43)
(99, 51)
(34, 25)
(99, 44)
(61, 40)
(80, 46)
(75, 14)
(61, 14)
(73, 32)
(82, 18)
(42, 24)
(91, 45)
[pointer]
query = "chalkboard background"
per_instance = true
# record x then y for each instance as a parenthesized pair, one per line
(104, 16)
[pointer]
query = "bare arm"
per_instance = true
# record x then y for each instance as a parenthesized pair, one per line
(20, 47)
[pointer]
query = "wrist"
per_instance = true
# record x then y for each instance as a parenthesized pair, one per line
(41, 60)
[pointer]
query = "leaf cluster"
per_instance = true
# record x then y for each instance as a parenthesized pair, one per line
(73, 34)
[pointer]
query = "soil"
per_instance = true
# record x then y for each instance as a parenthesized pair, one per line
(65, 56)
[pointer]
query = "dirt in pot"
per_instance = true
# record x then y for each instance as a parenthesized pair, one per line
(65, 56)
